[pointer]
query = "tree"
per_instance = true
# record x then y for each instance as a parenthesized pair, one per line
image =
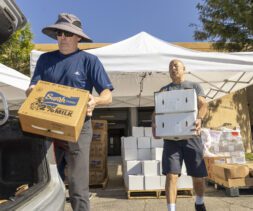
(226, 23)
(15, 53)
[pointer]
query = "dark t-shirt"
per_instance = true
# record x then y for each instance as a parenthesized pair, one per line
(184, 85)
(79, 69)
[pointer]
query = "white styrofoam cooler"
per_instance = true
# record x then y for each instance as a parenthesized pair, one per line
(152, 182)
(138, 131)
(183, 182)
(157, 153)
(129, 142)
(148, 132)
(150, 167)
(134, 182)
(176, 101)
(176, 126)
(130, 154)
(143, 143)
(133, 167)
(144, 154)
(156, 143)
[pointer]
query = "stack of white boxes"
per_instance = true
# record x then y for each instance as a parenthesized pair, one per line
(226, 143)
(142, 159)
(176, 112)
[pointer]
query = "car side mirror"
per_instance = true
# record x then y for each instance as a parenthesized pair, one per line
(11, 19)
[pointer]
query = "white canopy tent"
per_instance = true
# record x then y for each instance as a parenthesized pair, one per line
(138, 66)
(13, 85)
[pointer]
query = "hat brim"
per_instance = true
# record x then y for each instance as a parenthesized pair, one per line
(50, 31)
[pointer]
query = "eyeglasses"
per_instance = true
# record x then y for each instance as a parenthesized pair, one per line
(59, 33)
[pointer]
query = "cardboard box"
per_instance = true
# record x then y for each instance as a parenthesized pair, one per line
(176, 101)
(99, 136)
(55, 111)
(97, 163)
(210, 161)
(176, 126)
(230, 171)
(239, 182)
(98, 149)
(97, 177)
(99, 125)
(250, 166)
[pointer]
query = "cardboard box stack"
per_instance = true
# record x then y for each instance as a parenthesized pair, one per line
(142, 162)
(225, 158)
(233, 175)
(98, 152)
(176, 112)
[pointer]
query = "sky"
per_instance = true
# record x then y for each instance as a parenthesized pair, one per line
(110, 21)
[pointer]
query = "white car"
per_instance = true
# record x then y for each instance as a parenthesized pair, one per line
(29, 179)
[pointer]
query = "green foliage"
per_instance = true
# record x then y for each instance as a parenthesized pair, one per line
(15, 53)
(227, 23)
(249, 156)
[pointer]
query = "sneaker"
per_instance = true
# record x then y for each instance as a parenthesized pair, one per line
(200, 207)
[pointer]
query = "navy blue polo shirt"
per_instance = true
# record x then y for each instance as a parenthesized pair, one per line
(79, 69)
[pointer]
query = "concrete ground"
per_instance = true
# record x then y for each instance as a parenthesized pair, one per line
(114, 197)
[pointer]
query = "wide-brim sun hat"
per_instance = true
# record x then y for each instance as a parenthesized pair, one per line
(67, 22)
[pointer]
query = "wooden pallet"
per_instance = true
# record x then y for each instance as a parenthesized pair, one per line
(100, 185)
(229, 186)
(156, 194)
(181, 193)
(143, 194)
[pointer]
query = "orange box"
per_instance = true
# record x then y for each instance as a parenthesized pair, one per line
(55, 111)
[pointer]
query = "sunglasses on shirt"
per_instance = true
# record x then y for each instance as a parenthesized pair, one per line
(59, 33)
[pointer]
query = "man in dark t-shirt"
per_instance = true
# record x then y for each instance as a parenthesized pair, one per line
(72, 67)
(190, 151)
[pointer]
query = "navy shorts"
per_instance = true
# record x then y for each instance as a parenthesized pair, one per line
(190, 150)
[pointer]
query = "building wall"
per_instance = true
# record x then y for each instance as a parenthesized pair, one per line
(231, 111)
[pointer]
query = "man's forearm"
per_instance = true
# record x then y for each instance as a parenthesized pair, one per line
(202, 108)
(104, 98)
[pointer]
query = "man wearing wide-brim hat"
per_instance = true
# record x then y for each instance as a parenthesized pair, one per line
(73, 67)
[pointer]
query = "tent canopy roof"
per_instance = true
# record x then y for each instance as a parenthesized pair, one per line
(138, 66)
